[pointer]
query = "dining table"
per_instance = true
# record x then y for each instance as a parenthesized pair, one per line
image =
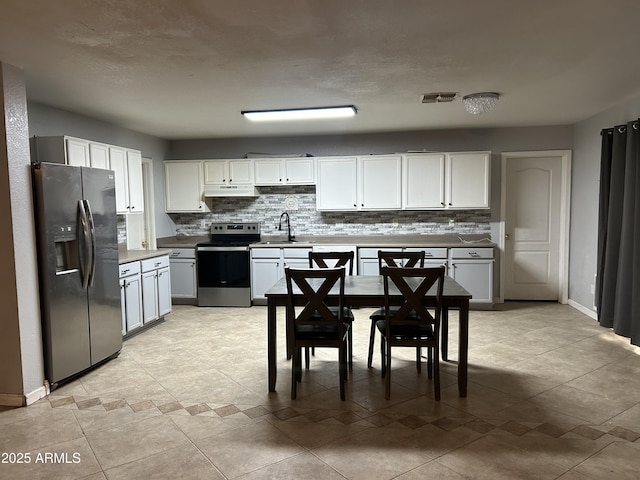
(368, 291)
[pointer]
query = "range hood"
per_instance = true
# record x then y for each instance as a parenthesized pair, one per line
(230, 191)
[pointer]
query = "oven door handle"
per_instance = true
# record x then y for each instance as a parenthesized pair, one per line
(223, 249)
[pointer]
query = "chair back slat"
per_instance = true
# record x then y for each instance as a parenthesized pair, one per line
(331, 260)
(316, 285)
(412, 284)
(400, 259)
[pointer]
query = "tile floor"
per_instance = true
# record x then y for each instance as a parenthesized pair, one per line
(551, 395)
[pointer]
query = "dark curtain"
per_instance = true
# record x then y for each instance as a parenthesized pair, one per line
(618, 280)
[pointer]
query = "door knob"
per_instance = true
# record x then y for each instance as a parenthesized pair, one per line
(507, 236)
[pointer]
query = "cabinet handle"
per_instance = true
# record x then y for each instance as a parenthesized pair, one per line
(442, 203)
(450, 204)
(355, 205)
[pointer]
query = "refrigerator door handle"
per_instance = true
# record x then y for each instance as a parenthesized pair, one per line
(84, 250)
(92, 237)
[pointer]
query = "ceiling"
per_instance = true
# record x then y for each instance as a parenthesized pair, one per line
(185, 69)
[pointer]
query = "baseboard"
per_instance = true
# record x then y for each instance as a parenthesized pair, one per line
(583, 309)
(19, 400)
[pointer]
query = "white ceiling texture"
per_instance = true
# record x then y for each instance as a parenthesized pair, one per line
(181, 69)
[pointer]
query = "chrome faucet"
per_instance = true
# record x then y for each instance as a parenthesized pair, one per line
(289, 236)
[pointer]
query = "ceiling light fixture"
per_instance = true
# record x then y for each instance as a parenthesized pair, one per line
(300, 113)
(478, 103)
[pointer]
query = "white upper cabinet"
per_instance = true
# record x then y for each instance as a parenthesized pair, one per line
(225, 172)
(77, 152)
(359, 183)
(99, 155)
(337, 183)
(125, 162)
(184, 187)
(380, 182)
(284, 171)
(446, 181)
(423, 181)
(468, 175)
(127, 166)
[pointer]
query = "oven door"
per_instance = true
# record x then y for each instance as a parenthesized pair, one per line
(223, 267)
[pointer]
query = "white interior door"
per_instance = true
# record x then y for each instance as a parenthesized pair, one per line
(532, 204)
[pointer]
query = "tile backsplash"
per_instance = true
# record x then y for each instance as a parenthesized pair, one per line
(269, 205)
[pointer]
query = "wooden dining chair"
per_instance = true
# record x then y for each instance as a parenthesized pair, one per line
(334, 260)
(316, 323)
(408, 322)
(391, 259)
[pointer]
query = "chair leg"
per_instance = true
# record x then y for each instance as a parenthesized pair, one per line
(387, 387)
(342, 365)
(294, 373)
(383, 360)
(372, 336)
(350, 347)
(436, 374)
(306, 358)
(430, 362)
(418, 359)
(444, 333)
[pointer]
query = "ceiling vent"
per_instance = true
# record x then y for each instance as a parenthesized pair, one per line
(440, 97)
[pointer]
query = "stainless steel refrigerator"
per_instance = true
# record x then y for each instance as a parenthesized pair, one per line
(78, 268)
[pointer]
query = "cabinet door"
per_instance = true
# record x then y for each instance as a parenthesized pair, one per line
(216, 172)
(423, 181)
(183, 278)
(150, 296)
(123, 306)
(241, 172)
(368, 266)
(299, 171)
(268, 171)
(164, 291)
(380, 182)
(133, 302)
(265, 272)
(77, 152)
(99, 155)
(134, 183)
(183, 181)
(118, 163)
(468, 180)
(336, 184)
(475, 276)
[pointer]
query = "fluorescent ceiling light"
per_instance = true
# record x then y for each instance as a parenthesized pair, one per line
(300, 113)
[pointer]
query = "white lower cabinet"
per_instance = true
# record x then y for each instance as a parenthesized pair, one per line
(267, 267)
(130, 296)
(473, 269)
(184, 286)
(156, 288)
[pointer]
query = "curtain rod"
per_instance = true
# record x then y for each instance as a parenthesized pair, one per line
(621, 128)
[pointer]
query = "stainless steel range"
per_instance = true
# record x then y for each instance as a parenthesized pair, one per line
(223, 264)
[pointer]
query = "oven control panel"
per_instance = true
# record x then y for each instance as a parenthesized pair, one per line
(235, 228)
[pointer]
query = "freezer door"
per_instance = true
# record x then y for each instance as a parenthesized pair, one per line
(65, 316)
(105, 321)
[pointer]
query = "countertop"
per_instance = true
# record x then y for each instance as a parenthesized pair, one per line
(125, 255)
(417, 240)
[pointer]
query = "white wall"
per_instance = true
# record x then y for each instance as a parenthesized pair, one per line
(585, 185)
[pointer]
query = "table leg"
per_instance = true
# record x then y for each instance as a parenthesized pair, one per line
(271, 343)
(463, 345)
(444, 337)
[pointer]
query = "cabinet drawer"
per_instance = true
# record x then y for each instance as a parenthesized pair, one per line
(182, 253)
(373, 252)
(155, 263)
(429, 253)
(296, 252)
(265, 253)
(472, 253)
(131, 268)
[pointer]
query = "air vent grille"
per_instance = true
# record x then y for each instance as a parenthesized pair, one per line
(440, 97)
